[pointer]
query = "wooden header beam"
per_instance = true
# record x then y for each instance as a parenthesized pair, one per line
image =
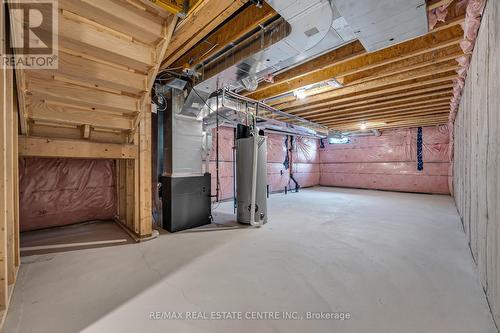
(43, 147)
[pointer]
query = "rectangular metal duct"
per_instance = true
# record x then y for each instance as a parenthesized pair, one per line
(382, 23)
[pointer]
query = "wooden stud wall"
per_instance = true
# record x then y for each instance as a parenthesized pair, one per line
(95, 104)
(9, 187)
(476, 164)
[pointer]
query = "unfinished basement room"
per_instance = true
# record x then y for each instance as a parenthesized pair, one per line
(222, 166)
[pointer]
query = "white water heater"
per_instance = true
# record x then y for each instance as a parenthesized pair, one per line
(246, 144)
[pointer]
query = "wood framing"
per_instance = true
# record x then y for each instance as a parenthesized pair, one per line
(45, 147)
(198, 24)
(390, 77)
(9, 190)
(95, 104)
(243, 23)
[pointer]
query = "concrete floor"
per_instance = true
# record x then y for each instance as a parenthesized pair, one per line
(395, 262)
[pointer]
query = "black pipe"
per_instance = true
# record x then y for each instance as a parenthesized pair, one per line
(234, 172)
(297, 186)
(217, 185)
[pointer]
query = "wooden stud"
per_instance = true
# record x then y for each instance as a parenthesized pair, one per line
(240, 25)
(198, 24)
(44, 111)
(44, 147)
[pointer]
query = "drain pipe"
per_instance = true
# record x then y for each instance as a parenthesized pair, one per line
(254, 174)
(297, 186)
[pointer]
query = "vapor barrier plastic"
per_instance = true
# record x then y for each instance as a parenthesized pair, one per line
(305, 162)
(389, 161)
(56, 192)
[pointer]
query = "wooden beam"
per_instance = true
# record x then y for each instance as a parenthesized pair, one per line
(198, 24)
(437, 4)
(331, 64)
(443, 56)
(44, 147)
(150, 7)
(396, 124)
(161, 49)
(46, 87)
(242, 24)
(398, 114)
(145, 175)
(328, 66)
(139, 24)
(400, 90)
(377, 84)
(159, 55)
(4, 256)
(66, 114)
(9, 35)
(98, 74)
(396, 98)
(375, 110)
(9, 240)
(89, 40)
(449, 23)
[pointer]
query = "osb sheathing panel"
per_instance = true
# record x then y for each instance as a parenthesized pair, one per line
(477, 155)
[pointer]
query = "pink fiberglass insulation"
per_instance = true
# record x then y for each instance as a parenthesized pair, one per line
(437, 15)
(277, 176)
(306, 169)
(56, 192)
(305, 160)
(226, 142)
(471, 24)
(389, 161)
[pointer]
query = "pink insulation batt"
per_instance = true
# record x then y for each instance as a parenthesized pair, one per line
(305, 158)
(388, 162)
(57, 191)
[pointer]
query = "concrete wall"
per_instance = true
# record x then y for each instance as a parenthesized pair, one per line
(476, 168)
(389, 161)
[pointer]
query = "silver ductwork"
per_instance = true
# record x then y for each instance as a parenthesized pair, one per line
(232, 109)
(315, 28)
(382, 23)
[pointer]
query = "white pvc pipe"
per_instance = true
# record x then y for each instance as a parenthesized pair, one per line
(254, 176)
(207, 152)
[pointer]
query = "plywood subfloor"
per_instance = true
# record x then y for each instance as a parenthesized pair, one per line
(396, 262)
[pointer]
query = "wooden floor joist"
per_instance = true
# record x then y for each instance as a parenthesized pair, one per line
(244, 22)
(320, 69)
(383, 100)
(197, 25)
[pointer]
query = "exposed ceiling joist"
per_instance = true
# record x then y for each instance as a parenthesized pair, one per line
(413, 106)
(402, 97)
(401, 116)
(409, 122)
(376, 84)
(197, 25)
(243, 23)
(323, 68)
